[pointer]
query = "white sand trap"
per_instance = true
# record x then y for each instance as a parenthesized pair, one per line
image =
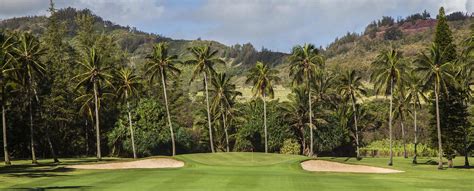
(327, 166)
(147, 163)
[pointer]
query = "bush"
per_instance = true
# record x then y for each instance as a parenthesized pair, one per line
(290, 147)
(381, 148)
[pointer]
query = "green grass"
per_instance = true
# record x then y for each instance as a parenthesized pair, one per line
(236, 171)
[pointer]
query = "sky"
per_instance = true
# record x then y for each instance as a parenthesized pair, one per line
(274, 24)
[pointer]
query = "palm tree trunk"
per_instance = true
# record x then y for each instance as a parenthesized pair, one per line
(48, 137)
(5, 145)
(355, 125)
(225, 129)
(87, 138)
(99, 156)
(265, 121)
(303, 140)
(51, 148)
(211, 142)
(416, 133)
(438, 127)
(390, 162)
(130, 126)
(310, 122)
(32, 140)
(168, 111)
(403, 137)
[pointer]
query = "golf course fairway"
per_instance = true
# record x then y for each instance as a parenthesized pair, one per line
(234, 171)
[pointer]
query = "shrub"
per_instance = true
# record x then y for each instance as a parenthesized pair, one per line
(381, 148)
(291, 147)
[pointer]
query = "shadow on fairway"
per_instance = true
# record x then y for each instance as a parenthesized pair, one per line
(54, 188)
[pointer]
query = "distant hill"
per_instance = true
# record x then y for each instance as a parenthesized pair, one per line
(411, 34)
(139, 43)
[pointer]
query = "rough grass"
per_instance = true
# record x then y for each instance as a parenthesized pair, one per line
(236, 171)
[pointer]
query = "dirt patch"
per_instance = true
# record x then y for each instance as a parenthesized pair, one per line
(146, 163)
(327, 166)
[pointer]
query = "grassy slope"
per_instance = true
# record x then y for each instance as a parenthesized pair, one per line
(238, 171)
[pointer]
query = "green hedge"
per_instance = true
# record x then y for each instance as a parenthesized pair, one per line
(381, 148)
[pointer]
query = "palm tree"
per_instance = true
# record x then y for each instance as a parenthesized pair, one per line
(388, 69)
(203, 60)
(160, 63)
(127, 84)
(86, 101)
(399, 113)
(295, 112)
(435, 71)
(224, 95)
(95, 75)
(6, 64)
(304, 63)
(351, 86)
(262, 77)
(28, 53)
(414, 96)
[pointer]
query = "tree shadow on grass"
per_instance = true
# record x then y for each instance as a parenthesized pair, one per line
(55, 188)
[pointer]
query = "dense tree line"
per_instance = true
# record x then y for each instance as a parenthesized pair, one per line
(63, 97)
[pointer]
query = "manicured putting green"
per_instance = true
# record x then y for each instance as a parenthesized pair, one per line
(236, 171)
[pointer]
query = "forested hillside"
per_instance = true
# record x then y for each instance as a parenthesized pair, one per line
(74, 84)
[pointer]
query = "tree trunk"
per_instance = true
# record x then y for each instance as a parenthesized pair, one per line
(225, 129)
(355, 125)
(87, 138)
(403, 137)
(303, 140)
(211, 142)
(310, 122)
(32, 139)
(97, 128)
(265, 121)
(416, 134)
(466, 158)
(5, 145)
(450, 163)
(130, 125)
(390, 162)
(438, 127)
(48, 138)
(168, 111)
(51, 148)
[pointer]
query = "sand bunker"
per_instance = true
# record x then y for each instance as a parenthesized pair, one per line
(147, 163)
(327, 166)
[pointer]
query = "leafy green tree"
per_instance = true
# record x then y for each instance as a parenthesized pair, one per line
(444, 37)
(94, 75)
(388, 69)
(6, 64)
(28, 53)
(224, 92)
(436, 71)
(415, 94)
(351, 86)
(305, 62)
(127, 86)
(204, 60)
(161, 64)
(262, 78)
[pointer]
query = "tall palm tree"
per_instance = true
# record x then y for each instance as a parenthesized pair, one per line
(95, 75)
(28, 52)
(204, 59)
(6, 64)
(305, 61)
(224, 92)
(351, 86)
(437, 72)
(161, 64)
(388, 69)
(127, 84)
(295, 112)
(399, 113)
(262, 77)
(415, 95)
